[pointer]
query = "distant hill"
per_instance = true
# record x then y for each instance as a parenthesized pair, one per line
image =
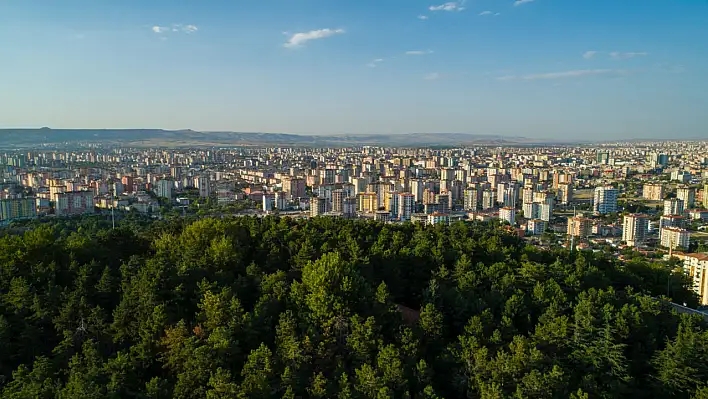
(23, 138)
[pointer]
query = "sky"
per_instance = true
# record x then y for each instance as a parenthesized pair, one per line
(574, 69)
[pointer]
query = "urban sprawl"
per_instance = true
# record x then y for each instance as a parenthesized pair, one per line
(649, 197)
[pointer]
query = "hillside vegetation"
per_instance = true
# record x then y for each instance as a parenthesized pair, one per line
(328, 308)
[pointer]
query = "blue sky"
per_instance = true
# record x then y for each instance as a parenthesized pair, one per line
(545, 68)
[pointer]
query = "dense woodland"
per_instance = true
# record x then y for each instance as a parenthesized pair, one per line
(329, 308)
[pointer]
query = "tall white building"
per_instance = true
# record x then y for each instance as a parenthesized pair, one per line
(674, 237)
(532, 210)
(688, 195)
(536, 226)
(509, 196)
(696, 266)
(605, 200)
(508, 214)
(673, 206)
(472, 199)
(437, 218)
(545, 211)
(634, 229)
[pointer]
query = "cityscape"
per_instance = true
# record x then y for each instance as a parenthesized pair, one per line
(420, 199)
(648, 196)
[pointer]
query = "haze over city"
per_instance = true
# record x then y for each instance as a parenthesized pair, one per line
(581, 69)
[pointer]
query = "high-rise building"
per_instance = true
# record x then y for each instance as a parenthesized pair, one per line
(202, 183)
(605, 200)
(508, 214)
(447, 174)
(349, 207)
(74, 203)
(565, 193)
(268, 202)
(417, 189)
(127, 183)
(671, 221)
(634, 229)
(444, 200)
(696, 267)
(675, 237)
(545, 211)
(536, 226)
(658, 160)
(406, 203)
(318, 206)
(472, 200)
(338, 196)
(17, 208)
(509, 196)
(561, 177)
(532, 210)
(367, 202)
(653, 192)
(391, 203)
(681, 176)
(487, 199)
(163, 188)
(673, 206)
(579, 226)
(327, 176)
(294, 186)
(688, 195)
(603, 157)
(438, 218)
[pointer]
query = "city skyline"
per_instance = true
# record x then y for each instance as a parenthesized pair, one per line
(539, 69)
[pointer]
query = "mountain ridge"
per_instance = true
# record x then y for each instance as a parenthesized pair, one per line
(24, 137)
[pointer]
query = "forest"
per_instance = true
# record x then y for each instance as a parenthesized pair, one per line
(275, 307)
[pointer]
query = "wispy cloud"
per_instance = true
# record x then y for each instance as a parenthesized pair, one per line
(432, 76)
(419, 52)
(375, 62)
(488, 13)
(299, 39)
(520, 2)
(422, 17)
(449, 6)
(565, 74)
(589, 54)
(623, 56)
(175, 28)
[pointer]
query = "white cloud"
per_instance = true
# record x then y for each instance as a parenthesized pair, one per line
(589, 54)
(449, 6)
(520, 2)
(621, 56)
(432, 76)
(483, 13)
(375, 62)
(419, 52)
(565, 74)
(422, 17)
(175, 28)
(298, 39)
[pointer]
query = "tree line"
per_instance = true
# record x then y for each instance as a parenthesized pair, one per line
(329, 308)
